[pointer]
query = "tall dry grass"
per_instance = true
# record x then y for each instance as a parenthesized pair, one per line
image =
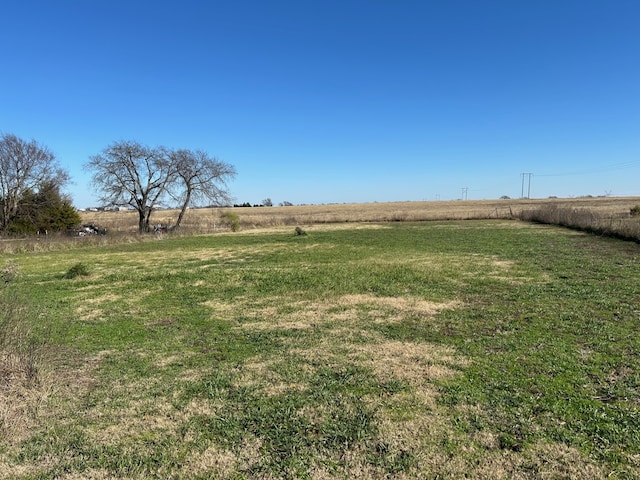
(615, 224)
(208, 220)
(56, 242)
(21, 360)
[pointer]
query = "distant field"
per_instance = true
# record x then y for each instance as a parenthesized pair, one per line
(394, 350)
(208, 219)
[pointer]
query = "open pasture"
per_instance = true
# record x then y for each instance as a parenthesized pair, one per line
(206, 220)
(479, 349)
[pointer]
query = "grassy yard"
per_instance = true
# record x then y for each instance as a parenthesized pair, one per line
(486, 349)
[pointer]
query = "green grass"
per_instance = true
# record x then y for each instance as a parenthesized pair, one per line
(488, 349)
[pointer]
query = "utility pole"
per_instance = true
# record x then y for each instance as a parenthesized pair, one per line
(529, 175)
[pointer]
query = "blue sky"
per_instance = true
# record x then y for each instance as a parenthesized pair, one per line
(323, 101)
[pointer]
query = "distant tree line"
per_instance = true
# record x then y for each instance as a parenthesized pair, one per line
(265, 203)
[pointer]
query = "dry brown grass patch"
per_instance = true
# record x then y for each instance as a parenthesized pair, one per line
(541, 460)
(220, 308)
(199, 407)
(215, 461)
(260, 375)
(410, 420)
(89, 308)
(352, 464)
(220, 463)
(141, 416)
(413, 362)
(410, 305)
(27, 410)
(347, 310)
(162, 361)
(21, 403)
(93, 474)
(8, 470)
(423, 435)
(348, 338)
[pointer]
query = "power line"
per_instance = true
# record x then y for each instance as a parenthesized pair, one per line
(615, 166)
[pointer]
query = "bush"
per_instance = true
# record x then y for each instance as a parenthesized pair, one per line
(78, 270)
(231, 220)
(635, 211)
(43, 211)
(299, 231)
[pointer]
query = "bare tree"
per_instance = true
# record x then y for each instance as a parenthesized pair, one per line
(130, 174)
(199, 177)
(25, 166)
(127, 173)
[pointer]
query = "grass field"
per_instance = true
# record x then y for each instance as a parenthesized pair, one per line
(478, 349)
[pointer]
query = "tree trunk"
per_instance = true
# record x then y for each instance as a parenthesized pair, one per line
(141, 217)
(143, 220)
(185, 205)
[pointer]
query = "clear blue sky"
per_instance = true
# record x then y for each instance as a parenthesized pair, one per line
(322, 101)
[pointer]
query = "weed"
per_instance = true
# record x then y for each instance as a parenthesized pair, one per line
(231, 219)
(78, 270)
